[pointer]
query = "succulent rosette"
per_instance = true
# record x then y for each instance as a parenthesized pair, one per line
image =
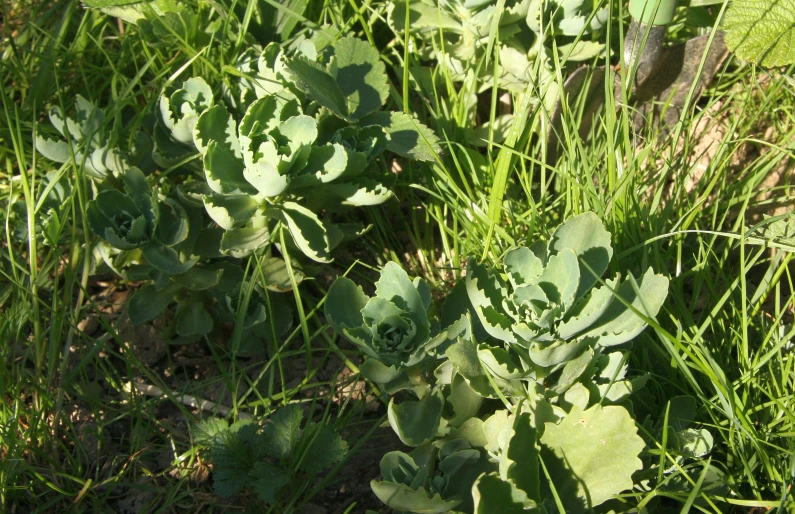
(392, 327)
(126, 220)
(140, 217)
(431, 479)
(548, 306)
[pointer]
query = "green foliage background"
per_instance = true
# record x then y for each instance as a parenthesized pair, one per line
(705, 204)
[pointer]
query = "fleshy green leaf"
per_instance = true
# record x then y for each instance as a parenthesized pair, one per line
(587, 237)
(361, 192)
(277, 278)
(416, 422)
(56, 151)
(242, 241)
(344, 304)
(166, 259)
(308, 232)
(522, 267)
(486, 292)
(377, 372)
(396, 287)
(591, 455)
(216, 124)
(561, 278)
(520, 460)
(465, 401)
(193, 319)
(403, 498)
(199, 279)
(694, 443)
(224, 171)
(230, 211)
(147, 302)
(181, 109)
(619, 324)
(493, 494)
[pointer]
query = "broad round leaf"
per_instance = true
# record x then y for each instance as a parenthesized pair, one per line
(591, 455)
(416, 422)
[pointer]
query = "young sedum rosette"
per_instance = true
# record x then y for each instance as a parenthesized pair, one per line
(140, 218)
(549, 308)
(392, 328)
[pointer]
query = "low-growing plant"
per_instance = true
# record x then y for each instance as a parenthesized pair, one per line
(264, 161)
(532, 37)
(267, 458)
(309, 142)
(164, 241)
(521, 392)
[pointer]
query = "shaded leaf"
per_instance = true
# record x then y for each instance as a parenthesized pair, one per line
(326, 448)
(416, 422)
(282, 431)
(266, 479)
(147, 302)
(408, 137)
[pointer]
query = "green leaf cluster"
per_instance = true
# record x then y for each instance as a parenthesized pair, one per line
(261, 163)
(392, 327)
(520, 40)
(457, 33)
(162, 23)
(519, 399)
(266, 458)
(300, 133)
(163, 240)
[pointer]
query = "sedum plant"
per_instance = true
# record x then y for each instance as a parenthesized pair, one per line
(518, 399)
(161, 240)
(392, 328)
(303, 135)
(140, 218)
